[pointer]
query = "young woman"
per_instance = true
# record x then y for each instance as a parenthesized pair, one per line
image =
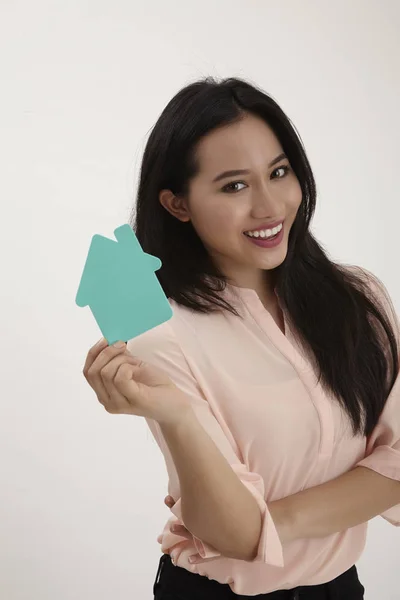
(273, 391)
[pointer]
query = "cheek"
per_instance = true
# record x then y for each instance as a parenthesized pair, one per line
(220, 218)
(208, 223)
(294, 196)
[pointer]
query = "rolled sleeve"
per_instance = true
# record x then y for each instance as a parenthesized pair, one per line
(386, 461)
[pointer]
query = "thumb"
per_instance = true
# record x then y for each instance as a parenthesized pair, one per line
(131, 366)
(126, 379)
(136, 360)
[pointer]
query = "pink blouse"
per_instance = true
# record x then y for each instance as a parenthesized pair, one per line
(256, 394)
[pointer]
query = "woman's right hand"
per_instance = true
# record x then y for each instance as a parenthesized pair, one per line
(125, 384)
(96, 361)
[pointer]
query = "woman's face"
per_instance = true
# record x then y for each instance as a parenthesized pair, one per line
(222, 210)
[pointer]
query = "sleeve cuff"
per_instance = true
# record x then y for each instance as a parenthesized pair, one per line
(385, 461)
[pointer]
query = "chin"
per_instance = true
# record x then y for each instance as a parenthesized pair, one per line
(274, 259)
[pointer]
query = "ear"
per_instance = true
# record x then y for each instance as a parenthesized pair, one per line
(176, 205)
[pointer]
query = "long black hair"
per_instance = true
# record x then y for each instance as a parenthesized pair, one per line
(340, 322)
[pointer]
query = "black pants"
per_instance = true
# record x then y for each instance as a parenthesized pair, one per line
(176, 583)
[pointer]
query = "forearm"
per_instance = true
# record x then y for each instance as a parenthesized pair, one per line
(349, 500)
(216, 506)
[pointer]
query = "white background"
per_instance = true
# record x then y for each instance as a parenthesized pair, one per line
(82, 83)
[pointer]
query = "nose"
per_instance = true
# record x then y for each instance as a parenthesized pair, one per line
(265, 205)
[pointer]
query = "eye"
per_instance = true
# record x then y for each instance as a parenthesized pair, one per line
(284, 168)
(228, 188)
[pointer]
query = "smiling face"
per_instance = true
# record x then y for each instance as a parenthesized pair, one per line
(221, 208)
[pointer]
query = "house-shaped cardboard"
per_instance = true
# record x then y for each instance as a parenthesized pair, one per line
(121, 288)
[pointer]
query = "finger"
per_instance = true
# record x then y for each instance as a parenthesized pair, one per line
(93, 354)
(176, 550)
(169, 501)
(196, 559)
(116, 402)
(128, 384)
(181, 531)
(92, 373)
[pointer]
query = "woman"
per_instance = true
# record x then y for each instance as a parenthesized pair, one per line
(273, 392)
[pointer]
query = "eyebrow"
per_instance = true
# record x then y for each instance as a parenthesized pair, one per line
(246, 171)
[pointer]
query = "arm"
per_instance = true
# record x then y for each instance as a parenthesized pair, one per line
(353, 498)
(217, 496)
(373, 487)
(216, 506)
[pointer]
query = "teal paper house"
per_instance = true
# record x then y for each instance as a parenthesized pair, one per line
(120, 287)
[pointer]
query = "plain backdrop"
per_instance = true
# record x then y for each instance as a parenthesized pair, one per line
(82, 83)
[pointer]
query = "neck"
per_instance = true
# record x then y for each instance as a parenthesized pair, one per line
(263, 285)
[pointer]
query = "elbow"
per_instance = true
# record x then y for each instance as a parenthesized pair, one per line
(250, 552)
(241, 544)
(239, 551)
(248, 556)
(245, 546)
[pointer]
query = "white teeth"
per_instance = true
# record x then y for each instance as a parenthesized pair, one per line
(264, 233)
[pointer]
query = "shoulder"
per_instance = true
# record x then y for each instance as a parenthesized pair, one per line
(173, 348)
(183, 338)
(377, 290)
(160, 340)
(372, 283)
(163, 342)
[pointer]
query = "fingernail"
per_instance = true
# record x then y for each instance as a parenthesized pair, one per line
(119, 344)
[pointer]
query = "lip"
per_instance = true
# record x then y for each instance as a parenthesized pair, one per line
(266, 226)
(265, 242)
